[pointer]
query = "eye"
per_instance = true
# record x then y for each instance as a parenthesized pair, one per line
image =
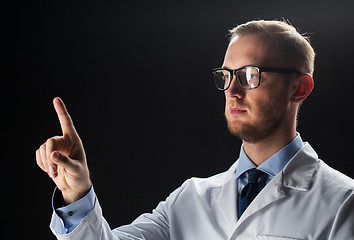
(253, 76)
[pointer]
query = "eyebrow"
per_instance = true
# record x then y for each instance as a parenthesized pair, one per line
(226, 67)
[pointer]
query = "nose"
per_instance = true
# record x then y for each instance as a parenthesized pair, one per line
(235, 90)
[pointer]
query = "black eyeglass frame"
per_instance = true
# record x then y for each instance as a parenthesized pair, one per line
(260, 70)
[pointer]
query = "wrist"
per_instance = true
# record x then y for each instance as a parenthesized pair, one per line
(72, 195)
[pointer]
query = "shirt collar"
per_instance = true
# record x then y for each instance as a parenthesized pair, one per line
(275, 163)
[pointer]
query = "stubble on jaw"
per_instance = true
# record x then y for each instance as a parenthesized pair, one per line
(272, 114)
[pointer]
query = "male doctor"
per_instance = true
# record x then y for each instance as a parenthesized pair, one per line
(277, 189)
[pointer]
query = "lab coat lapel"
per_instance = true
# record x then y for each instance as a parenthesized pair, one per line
(297, 174)
(225, 200)
(270, 194)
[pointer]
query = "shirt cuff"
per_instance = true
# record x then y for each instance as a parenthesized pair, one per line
(71, 215)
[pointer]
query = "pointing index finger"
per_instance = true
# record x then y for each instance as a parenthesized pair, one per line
(66, 123)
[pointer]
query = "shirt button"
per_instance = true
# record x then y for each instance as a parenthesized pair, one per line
(70, 213)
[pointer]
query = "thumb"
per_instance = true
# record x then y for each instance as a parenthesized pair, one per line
(61, 160)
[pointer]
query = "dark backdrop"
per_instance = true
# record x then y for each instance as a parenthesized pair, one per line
(136, 78)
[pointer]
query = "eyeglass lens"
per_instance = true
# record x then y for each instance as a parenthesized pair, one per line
(222, 79)
(247, 77)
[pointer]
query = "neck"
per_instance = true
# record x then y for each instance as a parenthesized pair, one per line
(259, 152)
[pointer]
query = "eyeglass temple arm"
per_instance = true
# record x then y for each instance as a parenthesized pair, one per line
(278, 70)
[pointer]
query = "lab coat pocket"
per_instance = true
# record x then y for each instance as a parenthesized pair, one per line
(267, 237)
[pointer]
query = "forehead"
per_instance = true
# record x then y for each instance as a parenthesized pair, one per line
(251, 49)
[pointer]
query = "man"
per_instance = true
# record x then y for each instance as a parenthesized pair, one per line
(277, 189)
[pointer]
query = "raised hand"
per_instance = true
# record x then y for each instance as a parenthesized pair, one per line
(64, 159)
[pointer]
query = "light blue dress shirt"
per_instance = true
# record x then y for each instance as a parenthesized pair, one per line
(66, 218)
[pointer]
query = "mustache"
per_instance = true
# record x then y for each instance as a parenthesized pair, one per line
(234, 104)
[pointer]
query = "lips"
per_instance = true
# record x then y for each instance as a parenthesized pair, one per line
(237, 111)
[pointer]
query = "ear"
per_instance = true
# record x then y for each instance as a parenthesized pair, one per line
(304, 87)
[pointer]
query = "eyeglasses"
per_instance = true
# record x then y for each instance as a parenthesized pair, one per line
(248, 77)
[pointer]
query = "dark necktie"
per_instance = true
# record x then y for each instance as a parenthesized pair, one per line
(250, 191)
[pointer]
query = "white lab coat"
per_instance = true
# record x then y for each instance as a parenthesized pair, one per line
(306, 200)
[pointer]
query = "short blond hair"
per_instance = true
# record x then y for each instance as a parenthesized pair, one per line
(290, 44)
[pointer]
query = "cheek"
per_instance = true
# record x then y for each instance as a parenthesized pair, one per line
(264, 105)
(256, 101)
(273, 107)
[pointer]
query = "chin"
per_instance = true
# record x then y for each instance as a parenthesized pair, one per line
(248, 132)
(242, 133)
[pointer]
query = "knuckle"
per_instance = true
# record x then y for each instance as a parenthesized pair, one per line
(39, 160)
(42, 147)
(38, 155)
(51, 141)
(40, 163)
(42, 153)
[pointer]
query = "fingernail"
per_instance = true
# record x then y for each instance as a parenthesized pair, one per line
(52, 171)
(56, 156)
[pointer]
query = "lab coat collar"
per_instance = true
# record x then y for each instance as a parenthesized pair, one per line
(297, 174)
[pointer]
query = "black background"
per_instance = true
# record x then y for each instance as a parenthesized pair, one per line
(136, 79)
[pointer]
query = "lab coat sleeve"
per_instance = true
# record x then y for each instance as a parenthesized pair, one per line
(343, 226)
(153, 225)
